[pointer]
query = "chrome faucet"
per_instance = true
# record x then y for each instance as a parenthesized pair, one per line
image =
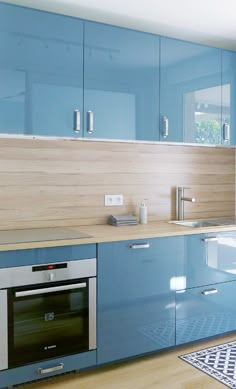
(180, 199)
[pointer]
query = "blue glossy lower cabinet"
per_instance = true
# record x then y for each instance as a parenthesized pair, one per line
(30, 372)
(209, 259)
(134, 329)
(205, 311)
(136, 297)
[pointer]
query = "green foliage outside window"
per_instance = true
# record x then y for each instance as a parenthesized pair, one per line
(208, 131)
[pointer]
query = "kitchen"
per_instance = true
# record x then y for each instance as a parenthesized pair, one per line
(59, 115)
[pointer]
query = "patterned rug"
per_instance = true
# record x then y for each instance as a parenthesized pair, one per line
(219, 362)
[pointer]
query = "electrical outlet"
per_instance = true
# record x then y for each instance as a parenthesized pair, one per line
(113, 200)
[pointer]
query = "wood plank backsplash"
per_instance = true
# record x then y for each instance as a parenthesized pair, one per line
(45, 183)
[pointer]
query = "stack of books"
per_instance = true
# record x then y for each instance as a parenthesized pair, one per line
(122, 220)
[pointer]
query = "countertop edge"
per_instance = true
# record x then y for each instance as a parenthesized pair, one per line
(107, 233)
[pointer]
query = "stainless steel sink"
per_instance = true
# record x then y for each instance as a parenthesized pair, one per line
(226, 221)
(195, 223)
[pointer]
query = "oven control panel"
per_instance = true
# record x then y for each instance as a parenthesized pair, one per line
(49, 272)
(51, 266)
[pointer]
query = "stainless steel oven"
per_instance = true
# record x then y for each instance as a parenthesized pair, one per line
(47, 311)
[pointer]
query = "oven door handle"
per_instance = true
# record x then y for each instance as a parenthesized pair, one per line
(50, 289)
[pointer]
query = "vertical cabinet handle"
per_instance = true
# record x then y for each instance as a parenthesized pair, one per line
(90, 122)
(226, 131)
(76, 121)
(165, 127)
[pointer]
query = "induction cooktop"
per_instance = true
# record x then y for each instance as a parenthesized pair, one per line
(41, 235)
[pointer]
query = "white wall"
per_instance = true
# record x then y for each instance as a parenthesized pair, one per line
(205, 21)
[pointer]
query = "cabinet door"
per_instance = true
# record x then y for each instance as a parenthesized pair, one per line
(208, 259)
(190, 92)
(229, 96)
(136, 297)
(205, 311)
(41, 71)
(121, 80)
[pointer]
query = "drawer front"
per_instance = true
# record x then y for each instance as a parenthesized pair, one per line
(46, 255)
(138, 268)
(204, 312)
(31, 372)
(209, 259)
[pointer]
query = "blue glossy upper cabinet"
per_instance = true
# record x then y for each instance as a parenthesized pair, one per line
(121, 83)
(41, 72)
(229, 96)
(190, 92)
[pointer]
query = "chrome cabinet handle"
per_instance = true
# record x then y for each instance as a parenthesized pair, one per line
(226, 131)
(139, 246)
(165, 127)
(210, 239)
(90, 122)
(4, 330)
(50, 290)
(76, 121)
(51, 369)
(209, 291)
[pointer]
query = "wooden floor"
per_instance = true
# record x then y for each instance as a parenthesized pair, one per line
(161, 371)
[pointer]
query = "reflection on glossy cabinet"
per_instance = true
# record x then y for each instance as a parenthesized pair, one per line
(62, 76)
(190, 92)
(205, 311)
(206, 287)
(229, 96)
(208, 259)
(121, 83)
(41, 71)
(136, 296)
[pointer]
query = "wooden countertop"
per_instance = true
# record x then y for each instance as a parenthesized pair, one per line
(66, 236)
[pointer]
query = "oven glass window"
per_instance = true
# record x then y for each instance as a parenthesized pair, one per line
(46, 325)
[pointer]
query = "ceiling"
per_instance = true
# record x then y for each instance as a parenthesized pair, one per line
(210, 22)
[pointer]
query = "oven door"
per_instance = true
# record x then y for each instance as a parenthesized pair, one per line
(47, 321)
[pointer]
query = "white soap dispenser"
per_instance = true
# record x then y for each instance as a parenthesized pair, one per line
(143, 213)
